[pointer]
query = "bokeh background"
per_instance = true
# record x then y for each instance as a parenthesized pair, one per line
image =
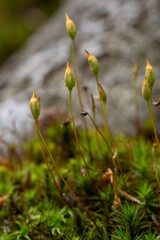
(19, 19)
(34, 49)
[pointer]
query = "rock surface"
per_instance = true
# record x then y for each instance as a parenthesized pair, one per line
(118, 32)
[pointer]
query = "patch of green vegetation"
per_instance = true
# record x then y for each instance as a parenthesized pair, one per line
(35, 210)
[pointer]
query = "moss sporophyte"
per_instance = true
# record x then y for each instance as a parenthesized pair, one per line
(69, 78)
(147, 86)
(146, 90)
(110, 151)
(150, 75)
(70, 27)
(102, 93)
(71, 30)
(69, 84)
(93, 63)
(95, 68)
(35, 106)
(35, 110)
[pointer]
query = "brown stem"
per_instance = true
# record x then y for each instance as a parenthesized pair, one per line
(85, 149)
(98, 143)
(100, 133)
(78, 145)
(110, 150)
(80, 101)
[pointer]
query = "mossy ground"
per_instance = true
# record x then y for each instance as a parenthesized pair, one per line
(35, 210)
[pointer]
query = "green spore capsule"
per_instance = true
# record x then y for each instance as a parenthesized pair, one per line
(35, 106)
(146, 90)
(102, 93)
(69, 78)
(150, 75)
(93, 63)
(70, 27)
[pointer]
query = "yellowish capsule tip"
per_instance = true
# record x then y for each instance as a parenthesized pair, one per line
(68, 65)
(34, 93)
(87, 52)
(148, 64)
(67, 17)
(35, 106)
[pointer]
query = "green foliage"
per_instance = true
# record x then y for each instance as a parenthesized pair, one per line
(151, 236)
(143, 157)
(147, 194)
(40, 210)
(121, 234)
(131, 219)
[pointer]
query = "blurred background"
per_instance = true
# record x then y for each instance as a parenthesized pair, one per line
(19, 19)
(34, 49)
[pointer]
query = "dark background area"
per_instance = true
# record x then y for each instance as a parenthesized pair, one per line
(19, 19)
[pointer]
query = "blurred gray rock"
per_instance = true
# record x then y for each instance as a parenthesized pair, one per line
(118, 32)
